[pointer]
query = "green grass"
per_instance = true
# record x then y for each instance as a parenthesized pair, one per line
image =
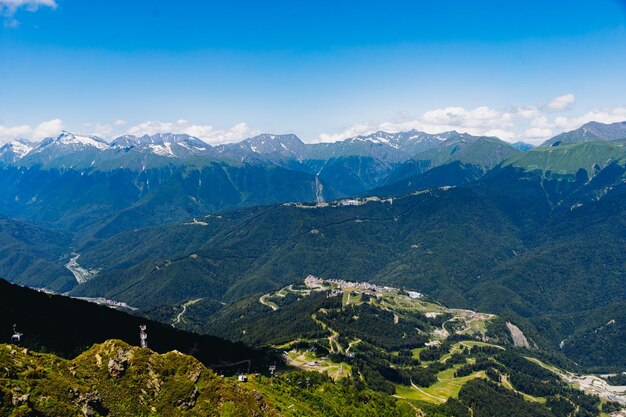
(416, 352)
(568, 159)
(438, 393)
(457, 348)
(303, 359)
(544, 365)
(351, 296)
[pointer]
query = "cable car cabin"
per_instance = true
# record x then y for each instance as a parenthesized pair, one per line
(17, 336)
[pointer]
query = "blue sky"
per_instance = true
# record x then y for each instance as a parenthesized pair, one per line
(224, 70)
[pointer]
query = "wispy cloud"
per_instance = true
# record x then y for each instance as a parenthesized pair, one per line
(561, 103)
(8, 8)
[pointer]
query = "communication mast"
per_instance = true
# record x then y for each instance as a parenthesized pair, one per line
(143, 336)
(17, 336)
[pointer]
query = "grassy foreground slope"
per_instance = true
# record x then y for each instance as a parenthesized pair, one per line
(115, 379)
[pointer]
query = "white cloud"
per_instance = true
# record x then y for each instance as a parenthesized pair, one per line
(47, 129)
(101, 130)
(537, 133)
(110, 131)
(561, 103)
(533, 124)
(8, 8)
(617, 114)
(207, 133)
(355, 130)
(481, 120)
(42, 130)
(10, 132)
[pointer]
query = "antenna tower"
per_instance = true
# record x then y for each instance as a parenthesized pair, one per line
(143, 336)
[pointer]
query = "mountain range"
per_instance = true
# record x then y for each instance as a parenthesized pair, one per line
(536, 236)
(83, 184)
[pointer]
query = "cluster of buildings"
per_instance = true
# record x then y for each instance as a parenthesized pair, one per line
(341, 203)
(338, 285)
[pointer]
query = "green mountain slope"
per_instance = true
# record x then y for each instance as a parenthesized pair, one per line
(116, 379)
(451, 174)
(105, 202)
(382, 240)
(483, 152)
(536, 247)
(404, 344)
(569, 159)
(368, 343)
(592, 131)
(32, 255)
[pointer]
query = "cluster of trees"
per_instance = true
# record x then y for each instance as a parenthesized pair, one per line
(434, 353)
(481, 364)
(530, 378)
(377, 327)
(254, 323)
(487, 399)
(313, 393)
(619, 379)
(381, 370)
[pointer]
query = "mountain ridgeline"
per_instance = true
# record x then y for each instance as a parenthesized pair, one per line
(85, 185)
(536, 236)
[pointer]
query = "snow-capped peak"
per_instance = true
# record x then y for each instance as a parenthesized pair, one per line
(269, 143)
(68, 138)
(18, 146)
(15, 149)
(164, 144)
(397, 140)
(73, 141)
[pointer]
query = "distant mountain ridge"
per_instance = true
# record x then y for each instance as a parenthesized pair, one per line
(391, 147)
(79, 183)
(164, 144)
(394, 147)
(592, 131)
(466, 219)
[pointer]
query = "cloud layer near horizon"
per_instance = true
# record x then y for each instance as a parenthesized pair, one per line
(532, 124)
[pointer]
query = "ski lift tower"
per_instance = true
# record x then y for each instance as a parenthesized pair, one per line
(143, 336)
(17, 336)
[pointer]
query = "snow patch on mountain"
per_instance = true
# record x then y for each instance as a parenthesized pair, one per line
(15, 149)
(163, 150)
